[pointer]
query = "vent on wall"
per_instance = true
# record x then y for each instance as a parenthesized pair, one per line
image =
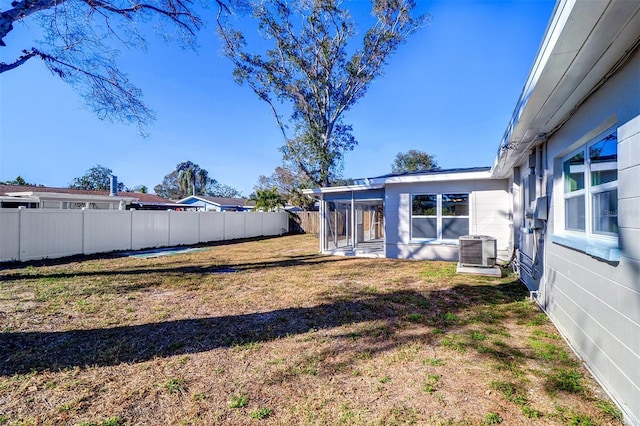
(477, 250)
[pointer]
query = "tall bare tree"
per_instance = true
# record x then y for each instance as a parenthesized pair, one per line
(313, 70)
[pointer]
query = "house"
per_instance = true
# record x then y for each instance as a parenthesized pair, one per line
(415, 215)
(216, 204)
(571, 153)
(562, 198)
(13, 196)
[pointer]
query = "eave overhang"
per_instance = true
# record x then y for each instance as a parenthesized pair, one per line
(585, 43)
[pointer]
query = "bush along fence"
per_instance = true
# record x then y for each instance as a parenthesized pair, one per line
(32, 234)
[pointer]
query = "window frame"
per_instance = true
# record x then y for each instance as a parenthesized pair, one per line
(438, 216)
(588, 191)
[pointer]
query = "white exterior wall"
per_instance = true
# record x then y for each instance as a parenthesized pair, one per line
(489, 211)
(29, 234)
(596, 303)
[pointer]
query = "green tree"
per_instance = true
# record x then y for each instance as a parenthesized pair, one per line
(169, 187)
(414, 161)
(289, 184)
(97, 178)
(80, 44)
(19, 181)
(267, 200)
(190, 179)
(141, 189)
(217, 189)
(314, 71)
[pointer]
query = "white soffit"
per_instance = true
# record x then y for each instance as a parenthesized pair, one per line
(583, 43)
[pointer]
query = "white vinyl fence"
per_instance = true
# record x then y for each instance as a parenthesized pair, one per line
(30, 234)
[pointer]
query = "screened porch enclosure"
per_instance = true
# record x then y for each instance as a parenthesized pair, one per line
(354, 227)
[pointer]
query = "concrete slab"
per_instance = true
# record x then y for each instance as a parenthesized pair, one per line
(473, 270)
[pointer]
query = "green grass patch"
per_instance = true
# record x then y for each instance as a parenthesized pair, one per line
(261, 413)
(174, 385)
(566, 380)
(237, 401)
(414, 317)
(492, 419)
(609, 409)
(511, 391)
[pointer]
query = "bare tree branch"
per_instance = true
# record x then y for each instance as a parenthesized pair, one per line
(78, 49)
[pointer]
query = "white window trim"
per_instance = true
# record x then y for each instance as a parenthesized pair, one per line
(588, 235)
(439, 216)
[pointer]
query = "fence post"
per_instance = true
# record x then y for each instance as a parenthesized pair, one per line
(21, 210)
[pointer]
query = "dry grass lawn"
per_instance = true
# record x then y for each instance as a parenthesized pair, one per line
(270, 332)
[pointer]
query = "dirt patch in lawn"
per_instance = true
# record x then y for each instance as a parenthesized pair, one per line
(282, 336)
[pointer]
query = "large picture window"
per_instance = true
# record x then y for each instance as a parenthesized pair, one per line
(590, 178)
(439, 216)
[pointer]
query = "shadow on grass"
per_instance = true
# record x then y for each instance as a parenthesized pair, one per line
(22, 352)
(300, 260)
(59, 261)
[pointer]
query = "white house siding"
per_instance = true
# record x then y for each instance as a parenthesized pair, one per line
(593, 302)
(489, 211)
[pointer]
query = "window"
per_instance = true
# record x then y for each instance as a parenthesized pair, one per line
(439, 216)
(591, 188)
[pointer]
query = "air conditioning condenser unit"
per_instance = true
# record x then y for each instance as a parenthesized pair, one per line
(477, 250)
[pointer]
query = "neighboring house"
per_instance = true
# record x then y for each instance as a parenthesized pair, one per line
(13, 196)
(216, 204)
(563, 195)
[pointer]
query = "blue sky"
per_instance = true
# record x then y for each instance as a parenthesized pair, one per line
(449, 91)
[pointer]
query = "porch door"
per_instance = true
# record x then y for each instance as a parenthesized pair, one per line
(339, 226)
(369, 221)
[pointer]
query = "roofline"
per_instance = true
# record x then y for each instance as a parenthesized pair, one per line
(574, 60)
(381, 182)
(434, 177)
(213, 202)
(557, 23)
(66, 196)
(346, 188)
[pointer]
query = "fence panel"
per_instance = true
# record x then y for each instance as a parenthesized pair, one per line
(253, 224)
(106, 230)
(29, 234)
(149, 229)
(306, 223)
(183, 228)
(9, 234)
(275, 223)
(234, 225)
(211, 226)
(50, 233)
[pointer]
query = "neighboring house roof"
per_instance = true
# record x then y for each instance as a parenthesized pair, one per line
(585, 43)
(439, 175)
(35, 193)
(219, 201)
